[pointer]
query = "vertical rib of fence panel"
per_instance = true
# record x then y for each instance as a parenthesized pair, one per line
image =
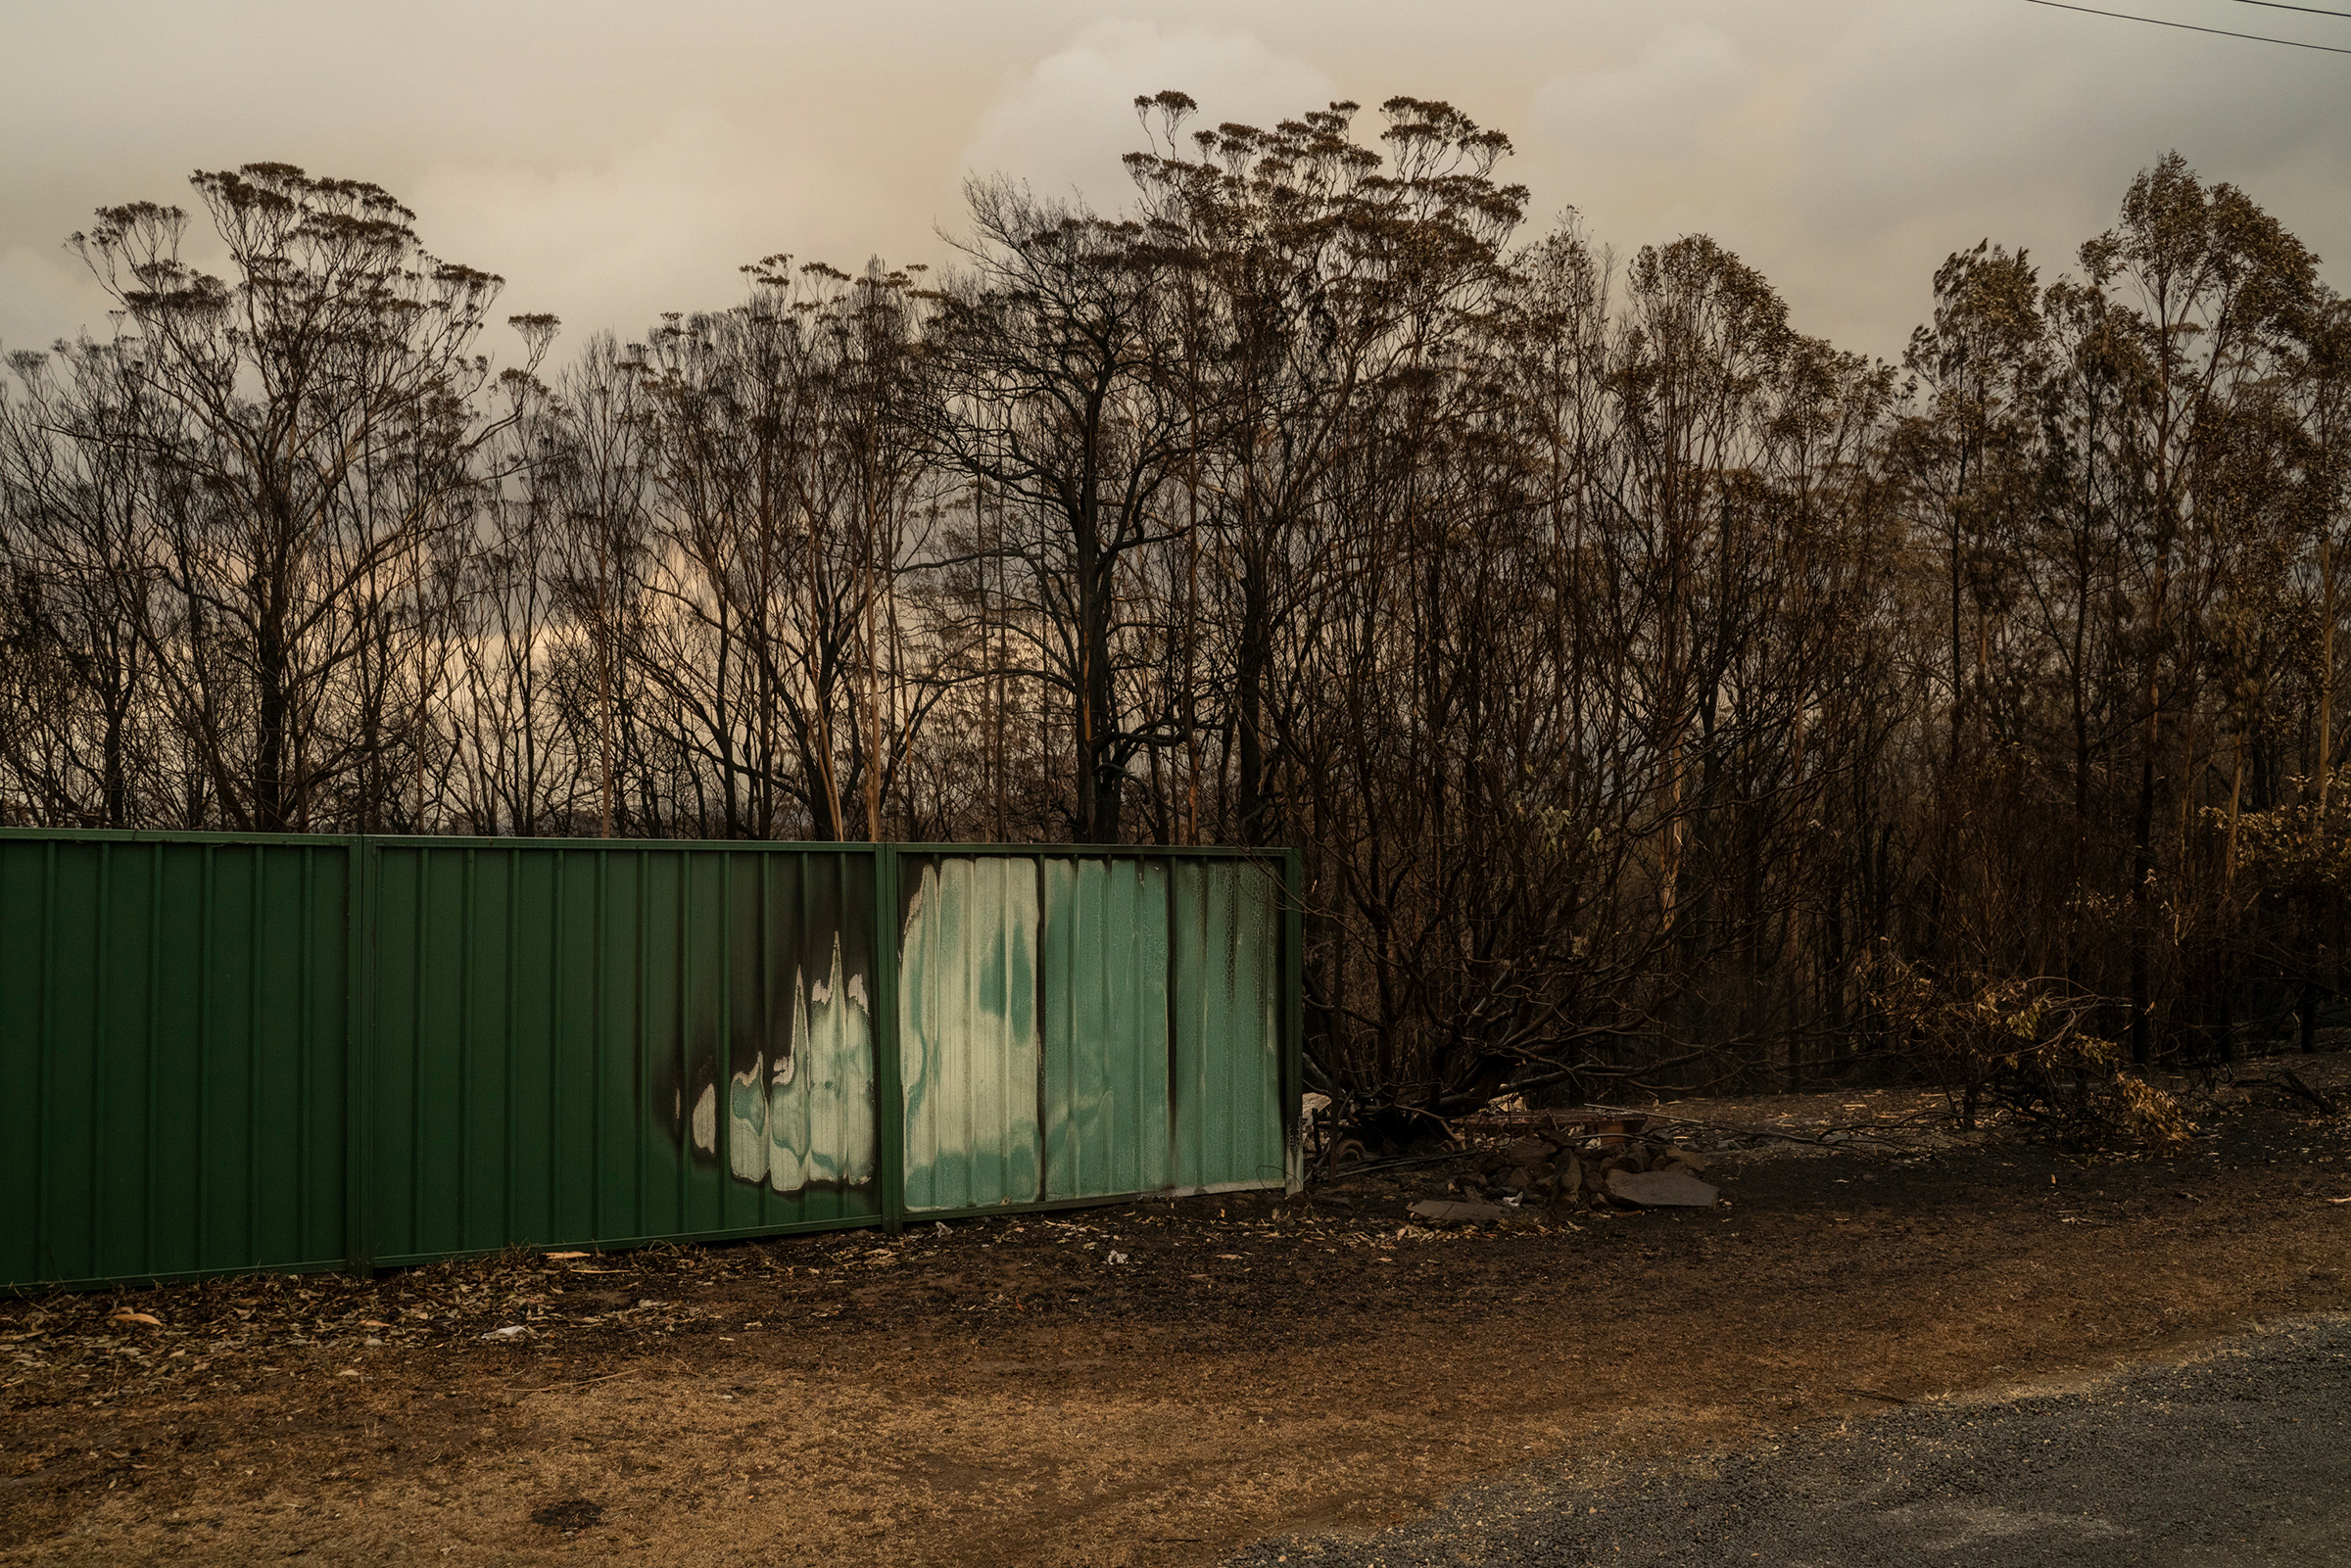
(1227, 1070)
(358, 1066)
(174, 1019)
(1102, 987)
(889, 1084)
(658, 1041)
(1293, 1018)
(222, 1053)
(968, 1044)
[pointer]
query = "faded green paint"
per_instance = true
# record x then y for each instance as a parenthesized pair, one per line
(967, 1045)
(223, 1054)
(1227, 1075)
(1104, 976)
(1119, 1014)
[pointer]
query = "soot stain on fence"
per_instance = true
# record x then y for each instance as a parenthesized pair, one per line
(665, 1034)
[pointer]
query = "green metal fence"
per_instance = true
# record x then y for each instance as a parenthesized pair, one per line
(221, 1054)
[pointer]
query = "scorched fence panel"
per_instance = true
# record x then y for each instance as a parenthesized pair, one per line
(221, 1054)
(1078, 1026)
(584, 1046)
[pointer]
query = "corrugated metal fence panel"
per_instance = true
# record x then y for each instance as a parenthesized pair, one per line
(174, 1025)
(802, 1103)
(1103, 986)
(967, 1045)
(592, 1045)
(579, 1043)
(1081, 1026)
(1229, 1043)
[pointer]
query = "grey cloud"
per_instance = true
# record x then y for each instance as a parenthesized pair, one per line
(1064, 123)
(1667, 100)
(614, 161)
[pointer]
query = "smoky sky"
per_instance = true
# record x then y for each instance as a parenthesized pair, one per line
(617, 160)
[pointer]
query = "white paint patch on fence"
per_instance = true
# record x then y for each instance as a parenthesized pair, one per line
(810, 1116)
(968, 1039)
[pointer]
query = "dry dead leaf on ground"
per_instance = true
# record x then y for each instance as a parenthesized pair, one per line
(148, 1318)
(1350, 1327)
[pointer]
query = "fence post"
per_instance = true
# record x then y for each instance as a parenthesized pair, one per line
(359, 1060)
(1293, 1011)
(889, 1093)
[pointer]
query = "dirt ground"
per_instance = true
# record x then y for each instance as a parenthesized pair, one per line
(1156, 1383)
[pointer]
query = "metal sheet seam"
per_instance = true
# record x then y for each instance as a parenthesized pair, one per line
(98, 990)
(154, 959)
(890, 1088)
(358, 1063)
(304, 1195)
(254, 1109)
(204, 1032)
(42, 1245)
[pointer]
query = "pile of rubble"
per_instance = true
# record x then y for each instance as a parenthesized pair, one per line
(1568, 1167)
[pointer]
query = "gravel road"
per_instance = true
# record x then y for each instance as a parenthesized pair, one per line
(2242, 1457)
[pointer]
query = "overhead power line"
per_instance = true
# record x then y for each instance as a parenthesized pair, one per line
(2184, 27)
(2281, 5)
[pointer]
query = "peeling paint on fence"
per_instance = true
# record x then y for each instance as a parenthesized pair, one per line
(806, 1116)
(221, 1054)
